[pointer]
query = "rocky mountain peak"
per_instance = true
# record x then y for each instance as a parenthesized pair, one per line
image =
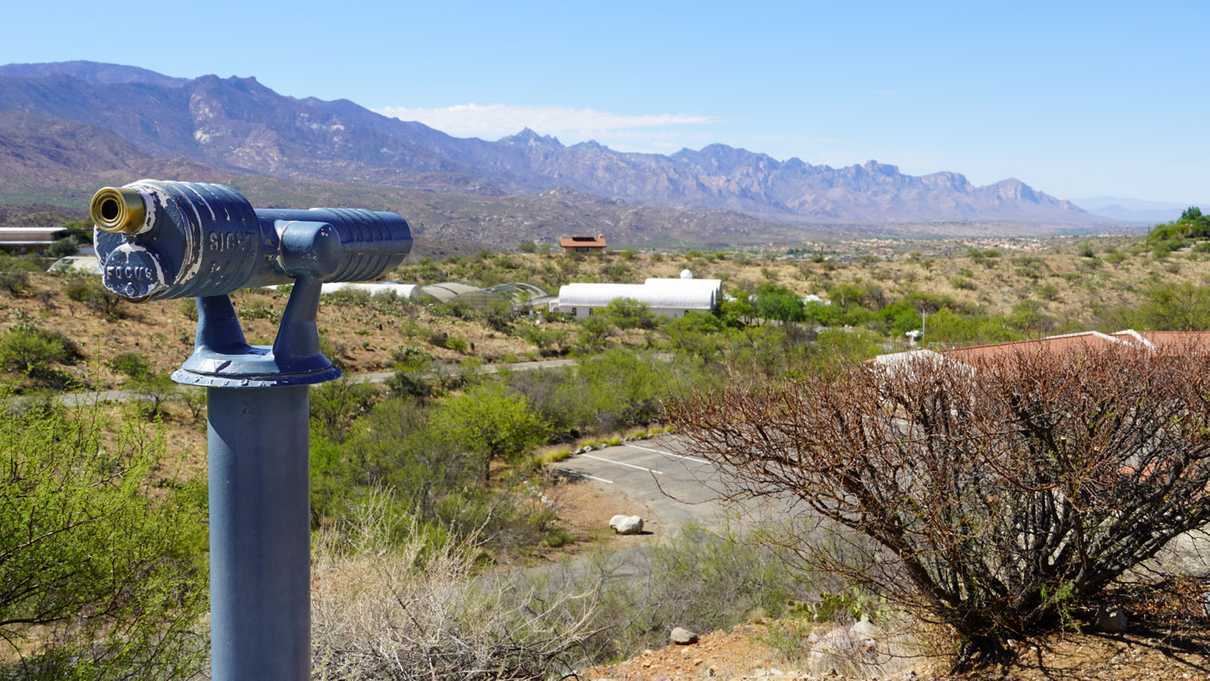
(528, 137)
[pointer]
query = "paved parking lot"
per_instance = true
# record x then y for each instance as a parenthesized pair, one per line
(666, 477)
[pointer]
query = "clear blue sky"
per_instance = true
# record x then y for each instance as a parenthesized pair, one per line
(1079, 100)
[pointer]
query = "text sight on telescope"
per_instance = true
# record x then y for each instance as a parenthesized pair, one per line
(157, 239)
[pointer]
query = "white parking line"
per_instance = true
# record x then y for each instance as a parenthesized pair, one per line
(660, 451)
(592, 477)
(622, 463)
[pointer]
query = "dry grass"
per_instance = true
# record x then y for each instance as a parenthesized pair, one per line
(417, 611)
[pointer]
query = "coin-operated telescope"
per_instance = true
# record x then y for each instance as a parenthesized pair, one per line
(158, 240)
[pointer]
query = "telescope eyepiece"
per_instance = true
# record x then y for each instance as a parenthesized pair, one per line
(118, 210)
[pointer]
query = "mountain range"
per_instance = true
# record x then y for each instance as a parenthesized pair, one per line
(65, 126)
(1137, 211)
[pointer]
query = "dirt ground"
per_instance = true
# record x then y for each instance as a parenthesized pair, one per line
(720, 655)
(742, 654)
(585, 509)
(360, 337)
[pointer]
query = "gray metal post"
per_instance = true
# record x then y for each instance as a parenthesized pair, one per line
(259, 534)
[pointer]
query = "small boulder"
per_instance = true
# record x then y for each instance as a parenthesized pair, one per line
(863, 629)
(1112, 621)
(864, 634)
(835, 653)
(626, 524)
(683, 637)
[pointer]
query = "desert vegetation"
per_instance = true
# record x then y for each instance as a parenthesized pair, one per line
(102, 561)
(1000, 505)
(1003, 500)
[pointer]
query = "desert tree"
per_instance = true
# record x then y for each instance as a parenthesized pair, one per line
(1000, 497)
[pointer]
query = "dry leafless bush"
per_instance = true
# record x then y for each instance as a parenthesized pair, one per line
(1000, 499)
(417, 611)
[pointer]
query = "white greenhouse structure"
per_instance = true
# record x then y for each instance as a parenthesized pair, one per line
(668, 297)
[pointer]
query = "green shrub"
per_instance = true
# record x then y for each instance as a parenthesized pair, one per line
(594, 333)
(335, 405)
(625, 313)
(89, 291)
(774, 301)
(841, 347)
(64, 247)
(499, 315)
(113, 579)
(449, 341)
(617, 271)
(82, 230)
(964, 283)
(699, 334)
(13, 282)
(130, 364)
(490, 422)
(260, 310)
(1192, 224)
(949, 327)
(15, 271)
(621, 388)
(31, 350)
(413, 375)
(550, 341)
(1179, 307)
(429, 460)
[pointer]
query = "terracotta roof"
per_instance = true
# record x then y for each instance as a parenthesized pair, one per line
(1162, 338)
(1065, 342)
(597, 241)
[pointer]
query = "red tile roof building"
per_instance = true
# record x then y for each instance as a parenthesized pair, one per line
(583, 244)
(1061, 343)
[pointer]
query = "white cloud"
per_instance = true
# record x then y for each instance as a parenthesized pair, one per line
(492, 121)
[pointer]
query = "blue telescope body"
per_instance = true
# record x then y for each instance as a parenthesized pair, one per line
(160, 240)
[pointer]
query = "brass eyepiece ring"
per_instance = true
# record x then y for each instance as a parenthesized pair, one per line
(118, 210)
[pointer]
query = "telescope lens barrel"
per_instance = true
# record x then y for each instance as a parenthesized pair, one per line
(159, 240)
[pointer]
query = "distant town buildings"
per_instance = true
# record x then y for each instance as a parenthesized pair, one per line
(667, 297)
(26, 239)
(583, 244)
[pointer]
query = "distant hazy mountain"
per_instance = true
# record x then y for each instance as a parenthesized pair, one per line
(134, 117)
(1135, 210)
(93, 72)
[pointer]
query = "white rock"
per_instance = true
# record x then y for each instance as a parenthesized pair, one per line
(683, 637)
(626, 524)
(832, 654)
(863, 630)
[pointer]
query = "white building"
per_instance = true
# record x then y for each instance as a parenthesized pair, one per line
(668, 297)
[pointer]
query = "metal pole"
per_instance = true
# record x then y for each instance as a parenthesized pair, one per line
(260, 535)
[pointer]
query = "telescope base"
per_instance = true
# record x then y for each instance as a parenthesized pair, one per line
(256, 367)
